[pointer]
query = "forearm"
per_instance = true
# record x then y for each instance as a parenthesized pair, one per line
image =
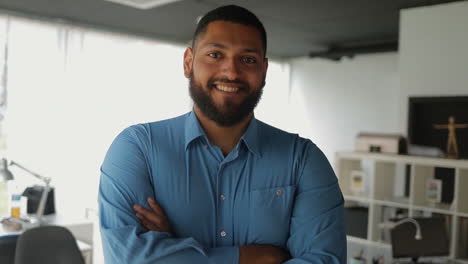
(262, 254)
(319, 240)
(123, 245)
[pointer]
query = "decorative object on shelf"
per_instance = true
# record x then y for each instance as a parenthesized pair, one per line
(385, 143)
(434, 190)
(358, 181)
(425, 151)
(452, 145)
(427, 113)
(6, 174)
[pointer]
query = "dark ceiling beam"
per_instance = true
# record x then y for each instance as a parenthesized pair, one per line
(336, 53)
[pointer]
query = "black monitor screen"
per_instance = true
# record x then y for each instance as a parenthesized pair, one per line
(434, 240)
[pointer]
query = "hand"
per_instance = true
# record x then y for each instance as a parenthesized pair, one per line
(155, 220)
(262, 254)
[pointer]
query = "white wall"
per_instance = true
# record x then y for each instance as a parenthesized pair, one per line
(333, 101)
(433, 53)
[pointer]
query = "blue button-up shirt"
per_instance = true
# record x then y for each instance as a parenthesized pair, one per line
(273, 188)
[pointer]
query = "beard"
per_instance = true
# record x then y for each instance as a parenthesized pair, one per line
(230, 113)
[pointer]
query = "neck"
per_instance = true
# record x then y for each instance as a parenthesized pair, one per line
(225, 138)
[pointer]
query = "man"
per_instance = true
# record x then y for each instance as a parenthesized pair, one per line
(216, 185)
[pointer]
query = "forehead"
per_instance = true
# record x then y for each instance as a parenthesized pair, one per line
(231, 35)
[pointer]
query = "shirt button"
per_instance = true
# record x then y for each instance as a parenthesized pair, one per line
(222, 197)
(223, 234)
(279, 192)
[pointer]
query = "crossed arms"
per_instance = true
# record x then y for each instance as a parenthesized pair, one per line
(316, 228)
(156, 220)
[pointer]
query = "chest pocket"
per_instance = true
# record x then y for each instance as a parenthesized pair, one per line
(270, 214)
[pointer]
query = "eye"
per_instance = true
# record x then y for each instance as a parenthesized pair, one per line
(214, 55)
(249, 60)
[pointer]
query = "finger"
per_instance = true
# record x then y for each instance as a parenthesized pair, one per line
(155, 206)
(147, 224)
(149, 215)
(161, 227)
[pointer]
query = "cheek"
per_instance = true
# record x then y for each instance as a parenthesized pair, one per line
(255, 79)
(203, 72)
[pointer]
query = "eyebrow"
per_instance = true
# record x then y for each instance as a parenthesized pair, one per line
(221, 46)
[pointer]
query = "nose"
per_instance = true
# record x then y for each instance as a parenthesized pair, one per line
(230, 68)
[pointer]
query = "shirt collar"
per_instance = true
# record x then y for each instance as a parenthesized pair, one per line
(251, 138)
(193, 130)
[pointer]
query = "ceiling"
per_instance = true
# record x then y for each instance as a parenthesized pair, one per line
(294, 27)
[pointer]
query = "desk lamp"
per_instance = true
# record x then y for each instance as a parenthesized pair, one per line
(5, 174)
(392, 225)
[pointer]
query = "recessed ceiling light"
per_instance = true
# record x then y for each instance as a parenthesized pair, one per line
(143, 4)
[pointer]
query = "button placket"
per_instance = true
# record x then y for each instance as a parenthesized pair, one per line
(220, 205)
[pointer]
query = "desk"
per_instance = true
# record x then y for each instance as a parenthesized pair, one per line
(82, 229)
(373, 249)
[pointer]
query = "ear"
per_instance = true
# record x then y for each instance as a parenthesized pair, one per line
(188, 62)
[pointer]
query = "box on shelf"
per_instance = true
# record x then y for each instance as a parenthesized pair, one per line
(385, 143)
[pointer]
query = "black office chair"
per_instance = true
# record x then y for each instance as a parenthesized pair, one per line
(47, 245)
(7, 249)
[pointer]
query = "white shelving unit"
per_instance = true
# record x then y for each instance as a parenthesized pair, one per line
(384, 181)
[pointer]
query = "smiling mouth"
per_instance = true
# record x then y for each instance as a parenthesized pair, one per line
(225, 88)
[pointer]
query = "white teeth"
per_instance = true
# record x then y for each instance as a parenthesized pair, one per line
(227, 89)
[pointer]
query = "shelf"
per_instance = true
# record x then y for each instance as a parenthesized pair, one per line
(388, 179)
(356, 198)
(442, 209)
(462, 214)
(393, 203)
(367, 242)
(394, 158)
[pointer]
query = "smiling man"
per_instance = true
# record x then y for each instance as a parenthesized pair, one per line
(216, 185)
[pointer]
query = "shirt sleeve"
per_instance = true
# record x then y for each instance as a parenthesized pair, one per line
(317, 233)
(125, 181)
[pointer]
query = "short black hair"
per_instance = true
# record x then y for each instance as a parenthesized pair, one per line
(231, 13)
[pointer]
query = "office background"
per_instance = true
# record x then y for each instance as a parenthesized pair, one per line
(71, 89)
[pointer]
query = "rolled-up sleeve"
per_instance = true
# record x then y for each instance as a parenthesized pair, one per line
(125, 181)
(317, 233)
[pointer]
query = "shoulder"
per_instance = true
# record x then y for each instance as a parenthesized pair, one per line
(144, 136)
(162, 127)
(277, 138)
(305, 155)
